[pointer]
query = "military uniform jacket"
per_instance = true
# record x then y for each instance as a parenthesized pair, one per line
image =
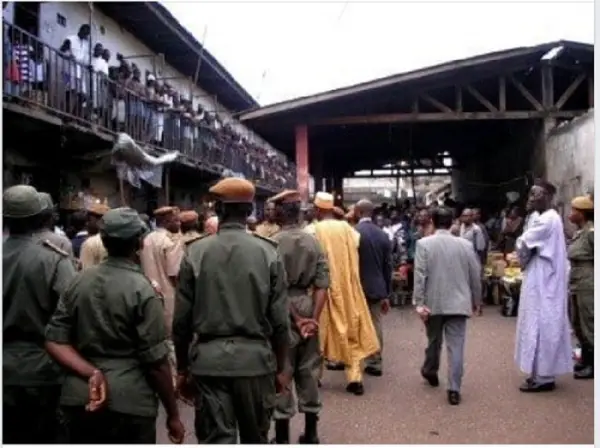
(35, 275)
(232, 296)
(305, 266)
(112, 316)
(581, 259)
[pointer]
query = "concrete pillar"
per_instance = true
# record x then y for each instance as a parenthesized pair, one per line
(302, 171)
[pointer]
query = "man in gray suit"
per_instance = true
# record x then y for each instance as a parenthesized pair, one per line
(447, 289)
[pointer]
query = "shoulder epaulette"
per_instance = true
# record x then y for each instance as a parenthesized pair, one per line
(55, 248)
(268, 240)
(194, 239)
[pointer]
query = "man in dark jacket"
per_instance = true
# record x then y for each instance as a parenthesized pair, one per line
(375, 264)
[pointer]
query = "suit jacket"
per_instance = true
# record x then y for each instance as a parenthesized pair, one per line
(375, 261)
(447, 275)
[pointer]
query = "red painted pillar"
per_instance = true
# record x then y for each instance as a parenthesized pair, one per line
(302, 175)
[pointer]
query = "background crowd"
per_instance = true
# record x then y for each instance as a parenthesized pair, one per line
(82, 80)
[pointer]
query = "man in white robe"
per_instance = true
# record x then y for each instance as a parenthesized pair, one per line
(543, 343)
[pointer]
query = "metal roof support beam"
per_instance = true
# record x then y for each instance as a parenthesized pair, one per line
(526, 93)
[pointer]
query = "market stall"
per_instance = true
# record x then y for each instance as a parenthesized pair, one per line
(503, 277)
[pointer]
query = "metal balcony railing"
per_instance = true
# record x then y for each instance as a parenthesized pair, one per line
(63, 84)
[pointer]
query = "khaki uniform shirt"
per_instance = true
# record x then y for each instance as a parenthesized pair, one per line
(232, 297)
(305, 267)
(161, 258)
(581, 258)
(34, 277)
(92, 252)
(112, 316)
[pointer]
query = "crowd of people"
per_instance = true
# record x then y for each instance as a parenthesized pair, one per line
(226, 314)
(114, 94)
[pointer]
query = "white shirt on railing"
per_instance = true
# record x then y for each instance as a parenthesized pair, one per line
(99, 65)
(81, 52)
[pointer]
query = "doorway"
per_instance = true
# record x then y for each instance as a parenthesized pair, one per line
(27, 17)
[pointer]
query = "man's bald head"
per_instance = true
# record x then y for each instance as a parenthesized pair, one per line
(364, 209)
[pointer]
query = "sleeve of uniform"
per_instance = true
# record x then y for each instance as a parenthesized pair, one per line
(182, 320)
(150, 328)
(59, 327)
(322, 276)
(64, 275)
(173, 256)
(474, 277)
(420, 274)
(278, 312)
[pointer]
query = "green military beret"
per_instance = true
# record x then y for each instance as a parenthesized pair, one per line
(21, 201)
(46, 200)
(122, 223)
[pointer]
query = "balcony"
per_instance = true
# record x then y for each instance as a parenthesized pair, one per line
(107, 100)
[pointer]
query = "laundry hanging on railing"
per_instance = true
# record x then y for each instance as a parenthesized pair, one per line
(134, 164)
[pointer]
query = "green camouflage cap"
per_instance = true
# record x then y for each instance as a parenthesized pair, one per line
(122, 223)
(46, 200)
(21, 201)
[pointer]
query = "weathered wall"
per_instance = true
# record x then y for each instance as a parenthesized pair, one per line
(570, 159)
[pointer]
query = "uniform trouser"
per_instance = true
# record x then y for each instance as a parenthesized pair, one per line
(305, 363)
(106, 427)
(375, 361)
(453, 328)
(226, 405)
(582, 319)
(30, 414)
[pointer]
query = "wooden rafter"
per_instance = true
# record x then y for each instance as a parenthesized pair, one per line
(528, 96)
(442, 116)
(568, 93)
(435, 103)
(479, 97)
(502, 93)
(544, 105)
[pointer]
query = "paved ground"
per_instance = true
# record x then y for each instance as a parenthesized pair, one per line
(400, 408)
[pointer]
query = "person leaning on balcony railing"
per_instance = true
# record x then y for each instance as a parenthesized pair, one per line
(76, 49)
(119, 113)
(135, 104)
(187, 124)
(151, 97)
(99, 81)
(160, 105)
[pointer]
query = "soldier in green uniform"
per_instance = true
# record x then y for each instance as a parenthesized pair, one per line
(232, 301)
(47, 230)
(108, 332)
(581, 283)
(308, 280)
(35, 274)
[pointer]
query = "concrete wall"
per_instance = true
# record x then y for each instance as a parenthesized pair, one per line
(569, 157)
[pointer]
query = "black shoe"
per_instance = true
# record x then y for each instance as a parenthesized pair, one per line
(282, 432)
(579, 366)
(586, 373)
(337, 366)
(304, 440)
(310, 436)
(530, 386)
(373, 371)
(355, 388)
(431, 378)
(453, 397)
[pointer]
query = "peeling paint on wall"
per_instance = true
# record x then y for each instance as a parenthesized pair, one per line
(570, 160)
